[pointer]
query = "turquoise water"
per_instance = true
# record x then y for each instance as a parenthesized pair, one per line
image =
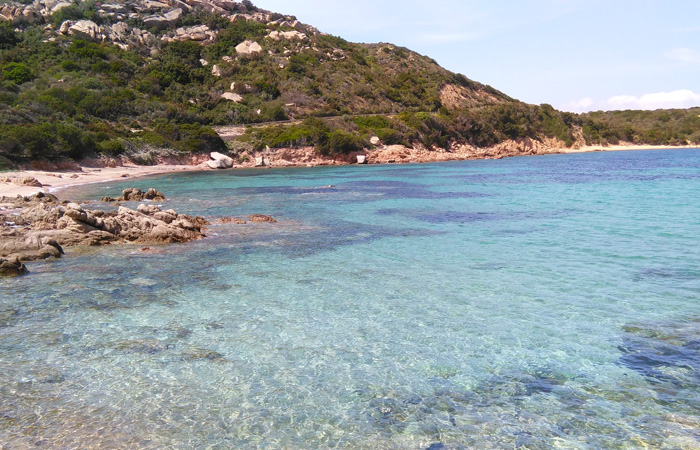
(540, 302)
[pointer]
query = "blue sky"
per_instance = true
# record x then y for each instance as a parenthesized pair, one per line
(577, 55)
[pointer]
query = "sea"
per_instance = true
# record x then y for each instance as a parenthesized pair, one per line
(546, 302)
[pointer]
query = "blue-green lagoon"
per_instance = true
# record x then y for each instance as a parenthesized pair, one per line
(535, 303)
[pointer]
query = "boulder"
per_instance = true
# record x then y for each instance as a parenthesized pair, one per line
(216, 70)
(152, 194)
(232, 96)
(204, 62)
(58, 6)
(173, 16)
(374, 140)
(87, 29)
(155, 21)
(216, 164)
(260, 161)
(227, 160)
(248, 48)
(119, 31)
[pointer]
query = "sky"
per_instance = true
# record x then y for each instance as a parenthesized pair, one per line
(577, 55)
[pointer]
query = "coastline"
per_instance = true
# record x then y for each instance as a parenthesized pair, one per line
(53, 181)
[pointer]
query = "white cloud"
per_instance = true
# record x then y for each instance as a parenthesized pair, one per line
(684, 55)
(682, 98)
(675, 99)
(584, 104)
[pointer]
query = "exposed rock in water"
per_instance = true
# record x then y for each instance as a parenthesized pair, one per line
(48, 226)
(261, 218)
(12, 267)
(233, 220)
(137, 195)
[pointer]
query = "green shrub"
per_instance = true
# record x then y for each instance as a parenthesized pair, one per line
(8, 36)
(70, 66)
(111, 147)
(87, 50)
(18, 73)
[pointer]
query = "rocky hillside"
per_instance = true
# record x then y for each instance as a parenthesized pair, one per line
(146, 78)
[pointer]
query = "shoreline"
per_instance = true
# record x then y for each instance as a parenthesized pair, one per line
(53, 181)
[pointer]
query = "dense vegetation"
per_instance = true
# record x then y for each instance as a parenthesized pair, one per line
(68, 97)
(662, 127)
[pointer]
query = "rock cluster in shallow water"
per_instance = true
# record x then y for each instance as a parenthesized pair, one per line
(40, 226)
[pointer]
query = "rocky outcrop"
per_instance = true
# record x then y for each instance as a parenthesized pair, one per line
(288, 35)
(198, 33)
(21, 181)
(43, 229)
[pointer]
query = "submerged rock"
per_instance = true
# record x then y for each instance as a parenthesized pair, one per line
(202, 354)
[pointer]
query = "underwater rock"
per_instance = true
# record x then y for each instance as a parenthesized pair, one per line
(663, 353)
(148, 346)
(47, 375)
(8, 317)
(199, 354)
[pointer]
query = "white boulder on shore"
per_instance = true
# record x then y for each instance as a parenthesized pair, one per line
(220, 161)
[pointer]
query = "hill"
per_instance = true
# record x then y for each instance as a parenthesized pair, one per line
(146, 78)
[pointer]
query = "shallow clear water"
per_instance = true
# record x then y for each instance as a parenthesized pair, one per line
(541, 302)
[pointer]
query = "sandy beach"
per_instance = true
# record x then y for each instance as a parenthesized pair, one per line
(53, 181)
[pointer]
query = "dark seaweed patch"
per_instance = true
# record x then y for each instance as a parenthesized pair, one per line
(466, 217)
(667, 274)
(663, 353)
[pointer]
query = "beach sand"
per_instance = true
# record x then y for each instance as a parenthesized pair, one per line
(53, 181)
